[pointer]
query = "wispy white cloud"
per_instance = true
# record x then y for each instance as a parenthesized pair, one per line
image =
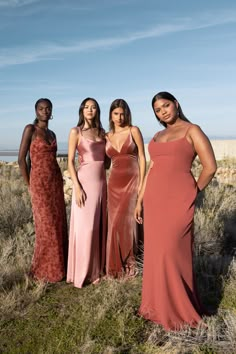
(16, 3)
(56, 51)
(27, 85)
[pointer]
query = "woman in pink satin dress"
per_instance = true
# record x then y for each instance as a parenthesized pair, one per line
(169, 294)
(126, 149)
(87, 237)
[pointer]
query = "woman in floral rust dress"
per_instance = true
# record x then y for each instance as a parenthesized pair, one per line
(46, 188)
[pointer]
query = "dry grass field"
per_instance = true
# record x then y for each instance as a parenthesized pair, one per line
(46, 318)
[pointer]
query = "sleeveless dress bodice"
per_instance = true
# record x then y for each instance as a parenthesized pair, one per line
(172, 168)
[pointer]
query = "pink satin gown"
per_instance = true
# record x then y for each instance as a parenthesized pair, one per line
(169, 295)
(87, 237)
(122, 195)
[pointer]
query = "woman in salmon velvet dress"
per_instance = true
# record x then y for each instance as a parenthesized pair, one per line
(87, 237)
(125, 148)
(169, 295)
(46, 189)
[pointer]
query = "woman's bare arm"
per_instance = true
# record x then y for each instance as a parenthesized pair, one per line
(206, 155)
(74, 140)
(137, 136)
(24, 150)
(138, 208)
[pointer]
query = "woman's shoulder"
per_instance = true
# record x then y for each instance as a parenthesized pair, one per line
(29, 130)
(74, 134)
(195, 133)
(30, 127)
(108, 134)
(157, 133)
(75, 130)
(135, 130)
(193, 128)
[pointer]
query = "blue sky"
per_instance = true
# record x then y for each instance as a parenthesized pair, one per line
(67, 50)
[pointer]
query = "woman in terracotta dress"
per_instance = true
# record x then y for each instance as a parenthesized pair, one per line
(46, 188)
(125, 148)
(169, 295)
(87, 237)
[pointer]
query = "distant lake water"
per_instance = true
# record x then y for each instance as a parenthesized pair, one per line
(8, 155)
(12, 155)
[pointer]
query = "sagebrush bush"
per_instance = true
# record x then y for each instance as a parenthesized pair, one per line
(15, 206)
(215, 220)
(227, 162)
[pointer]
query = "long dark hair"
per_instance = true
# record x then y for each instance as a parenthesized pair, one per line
(96, 121)
(120, 103)
(38, 102)
(168, 96)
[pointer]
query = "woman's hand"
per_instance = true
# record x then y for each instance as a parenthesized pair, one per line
(138, 213)
(80, 197)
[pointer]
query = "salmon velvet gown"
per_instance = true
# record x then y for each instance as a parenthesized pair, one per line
(46, 189)
(122, 196)
(169, 295)
(87, 237)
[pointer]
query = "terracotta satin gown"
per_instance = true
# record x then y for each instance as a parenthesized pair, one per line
(169, 295)
(122, 196)
(87, 237)
(46, 189)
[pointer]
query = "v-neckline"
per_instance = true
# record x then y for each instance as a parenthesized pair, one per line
(45, 141)
(119, 151)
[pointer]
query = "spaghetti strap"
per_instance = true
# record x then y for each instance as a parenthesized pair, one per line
(187, 130)
(130, 131)
(79, 131)
(155, 136)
